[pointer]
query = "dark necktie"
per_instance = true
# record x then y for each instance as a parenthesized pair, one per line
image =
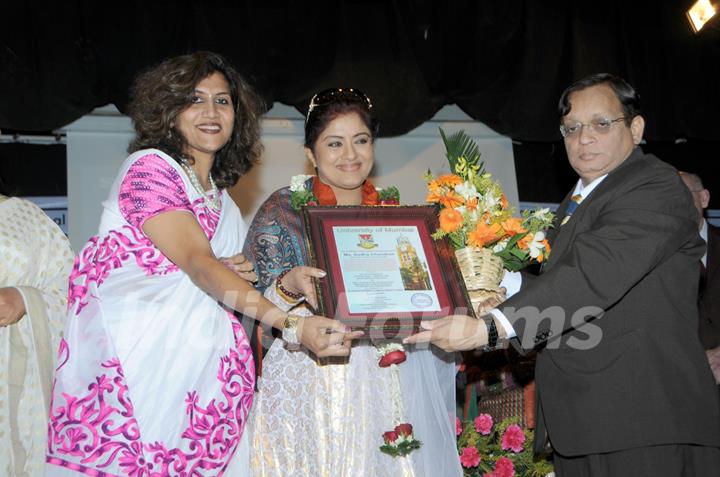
(574, 202)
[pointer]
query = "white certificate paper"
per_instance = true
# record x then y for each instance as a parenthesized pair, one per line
(384, 269)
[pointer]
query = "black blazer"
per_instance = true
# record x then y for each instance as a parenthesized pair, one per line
(635, 374)
(709, 299)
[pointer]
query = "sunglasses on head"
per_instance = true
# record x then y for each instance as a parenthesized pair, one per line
(329, 96)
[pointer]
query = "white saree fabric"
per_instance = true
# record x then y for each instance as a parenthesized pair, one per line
(155, 377)
(35, 258)
(324, 419)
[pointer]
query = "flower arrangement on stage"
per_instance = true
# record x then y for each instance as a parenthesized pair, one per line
(503, 450)
(474, 211)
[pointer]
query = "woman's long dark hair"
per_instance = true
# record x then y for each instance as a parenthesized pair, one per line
(164, 91)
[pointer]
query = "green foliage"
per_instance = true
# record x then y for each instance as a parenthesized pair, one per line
(300, 198)
(389, 193)
(401, 449)
(460, 145)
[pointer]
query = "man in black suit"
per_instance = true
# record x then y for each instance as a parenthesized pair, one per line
(709, 297)
(623, 386)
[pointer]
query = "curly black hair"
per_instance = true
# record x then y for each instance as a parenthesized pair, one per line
(161, 93)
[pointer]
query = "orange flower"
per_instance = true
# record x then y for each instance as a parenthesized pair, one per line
(435, 192)
(433, 186)
(546, 252)
(503, 201)
(472, 203)
(433, 197)
(484, 234)
(525, 241)
(450, 220)
(449, 180)
(451, 200)
(513, 226)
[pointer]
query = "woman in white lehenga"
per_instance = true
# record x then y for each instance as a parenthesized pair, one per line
(329, 420)
(35, 261)
(155, 374)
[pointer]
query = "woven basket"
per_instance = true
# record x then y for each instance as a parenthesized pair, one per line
(482, 272)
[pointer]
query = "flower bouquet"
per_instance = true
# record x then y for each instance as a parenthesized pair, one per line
(503, 450)
(476, 217)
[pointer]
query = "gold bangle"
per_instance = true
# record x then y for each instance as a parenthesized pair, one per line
(290, 328)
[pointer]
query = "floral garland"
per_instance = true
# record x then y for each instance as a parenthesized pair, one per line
(400, 441)
(305, 192)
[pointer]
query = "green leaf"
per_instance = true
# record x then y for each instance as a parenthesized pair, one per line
(388, 193)
(402, 449)
(459, 145)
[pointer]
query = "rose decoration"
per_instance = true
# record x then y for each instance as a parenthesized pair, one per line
(391, 353)
(390, 437)
(400, 441)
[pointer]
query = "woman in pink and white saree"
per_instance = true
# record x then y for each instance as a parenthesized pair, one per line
(155, 374)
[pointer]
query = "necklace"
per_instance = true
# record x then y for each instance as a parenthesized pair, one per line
(212, 199)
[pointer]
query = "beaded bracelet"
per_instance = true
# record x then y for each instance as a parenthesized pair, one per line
(289, 296)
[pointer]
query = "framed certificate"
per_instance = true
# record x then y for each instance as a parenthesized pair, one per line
(385, 273)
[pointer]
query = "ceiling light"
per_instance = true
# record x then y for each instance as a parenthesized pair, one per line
(700, 13)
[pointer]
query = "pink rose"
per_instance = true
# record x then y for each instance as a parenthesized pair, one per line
(483, 424)
(504, 468)
(393, 357)
(312, 202)
(404, 430)
(513, 438)
(470, 457)
(458, 426)
(390, 437)
(389, 202)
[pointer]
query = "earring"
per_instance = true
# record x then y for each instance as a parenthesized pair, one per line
(169, 134)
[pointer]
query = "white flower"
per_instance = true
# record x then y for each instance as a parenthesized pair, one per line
(389, 347)
(542, 214)
(466, 190)
(500, 246)
(536, 247)
(298, 182)
(489, 201)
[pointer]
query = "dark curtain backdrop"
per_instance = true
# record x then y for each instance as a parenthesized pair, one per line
(504, 62)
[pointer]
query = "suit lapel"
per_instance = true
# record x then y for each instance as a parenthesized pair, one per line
(565, 233)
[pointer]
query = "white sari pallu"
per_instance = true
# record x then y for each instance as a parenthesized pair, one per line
(155, 378)
(35, 258)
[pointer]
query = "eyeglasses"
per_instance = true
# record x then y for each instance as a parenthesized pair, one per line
(338, 94)
(599, 125)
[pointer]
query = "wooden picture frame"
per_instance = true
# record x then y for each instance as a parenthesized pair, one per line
(385, 273)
